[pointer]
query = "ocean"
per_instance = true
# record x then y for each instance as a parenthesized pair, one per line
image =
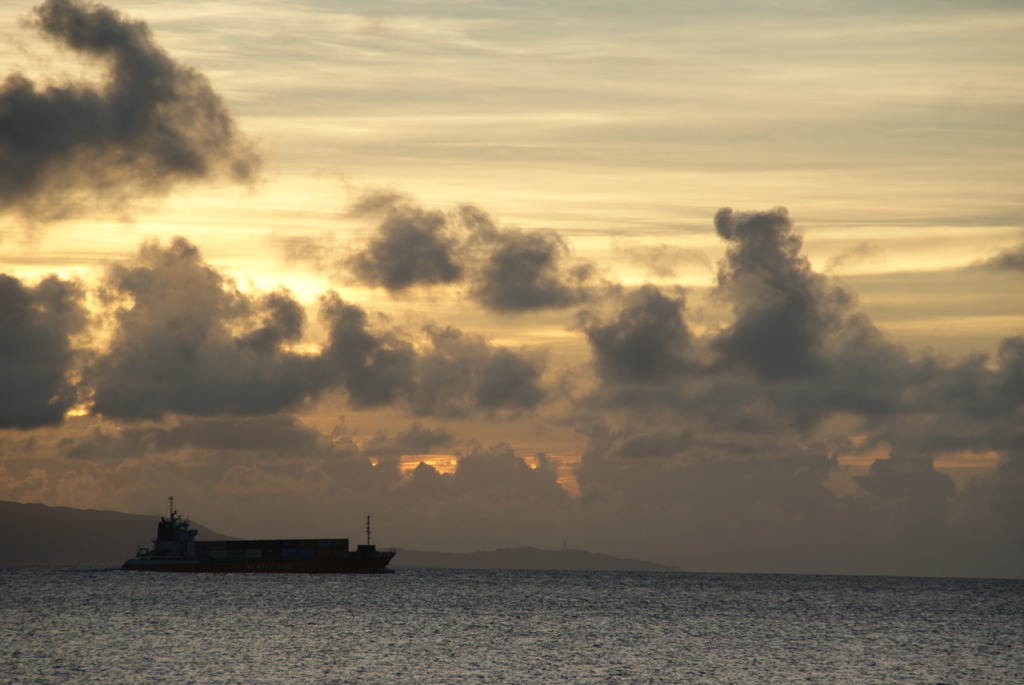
(89, 625)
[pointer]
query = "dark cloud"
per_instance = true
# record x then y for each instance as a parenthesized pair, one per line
(970, 405)
(282, 322)
(37, 324)
(267, 436)
(647, 343)
(920, 494)
(998, 498)
(519, 271)
(152, 124)
(770, 509)
(412, 247)
(460, 374)
(238, 471)
(774, 509)
(375, 368)
(493, 495)
(1011, 366)
(707, 432)
(485, 468)
(188, 341)
(506, 270)
(508, 380)
(701, 449)
(378, 201)
(279, 435)
(416, 439)
(1010, 259)
(783, 310)
(795, 355)
(654, 445)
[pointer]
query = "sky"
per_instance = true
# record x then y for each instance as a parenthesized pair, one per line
(732, 286)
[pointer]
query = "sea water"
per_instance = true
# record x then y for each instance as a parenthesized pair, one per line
(87, 625)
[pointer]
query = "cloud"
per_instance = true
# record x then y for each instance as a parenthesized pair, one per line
(795, 354)
(783, 310)
(1011, 366)
(282, 322)
(412, 247)
(505, 270)
(774, 509)
(922, 492)
(317, 252)
(187, 341)
(654, 445)
(663, 260)
(723, 442)
(519, 271)
(493, 495)
(37, 354)
(453, 374)
(375, 368)
(859, 253)
(274, 436)
(151, 125)
(716, 509)
(416, 439)
(647, 343)
(460, 374)
(1010, 259)
(731, 438)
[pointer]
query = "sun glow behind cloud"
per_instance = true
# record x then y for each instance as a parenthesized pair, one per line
(595, 151)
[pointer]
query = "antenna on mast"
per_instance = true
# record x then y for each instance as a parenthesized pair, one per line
(170, 501)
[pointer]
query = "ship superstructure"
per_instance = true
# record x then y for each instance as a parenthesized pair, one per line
(176, 549)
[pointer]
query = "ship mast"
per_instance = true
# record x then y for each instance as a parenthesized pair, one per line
(170, 501)
(367, 529)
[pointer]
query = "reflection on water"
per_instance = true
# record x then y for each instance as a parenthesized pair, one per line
(61, 625)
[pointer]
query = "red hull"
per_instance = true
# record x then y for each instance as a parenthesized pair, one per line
(373, 565)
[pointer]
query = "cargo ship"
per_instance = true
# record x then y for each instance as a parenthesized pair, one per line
(176, 549)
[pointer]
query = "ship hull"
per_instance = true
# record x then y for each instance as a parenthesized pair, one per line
(177, 551)
(376, 564)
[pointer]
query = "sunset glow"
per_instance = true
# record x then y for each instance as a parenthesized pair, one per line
(678, 280)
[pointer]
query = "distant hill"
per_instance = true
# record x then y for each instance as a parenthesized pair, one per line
(39, 535)
(527, 558)
(35, 534)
